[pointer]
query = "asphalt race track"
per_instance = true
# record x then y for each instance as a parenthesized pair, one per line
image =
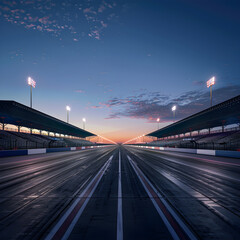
(119, 192)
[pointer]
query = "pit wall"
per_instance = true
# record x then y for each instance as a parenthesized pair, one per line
(219, 153)
(9, 153)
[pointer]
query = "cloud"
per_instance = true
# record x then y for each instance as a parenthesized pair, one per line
(101, 8)
(59, 18)
(103, 24)
(44, 20)
(96, 107)
(79, 91)
(89, 10)
(95, 34)
(153, 105)
(30, 26)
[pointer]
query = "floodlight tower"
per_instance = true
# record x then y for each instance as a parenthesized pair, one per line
(32, 84)
(210, 83)
(158, 120)
(84, 121)
(68, 110)
(173, 110)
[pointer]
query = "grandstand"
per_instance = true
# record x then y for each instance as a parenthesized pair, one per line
(219, 141)
(57, 133)
(195, 131)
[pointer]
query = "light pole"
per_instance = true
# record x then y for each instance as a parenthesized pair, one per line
(210, 83)
(158, 120)
(173, 110)
(84, 121)
(32, 84)
(68, 110)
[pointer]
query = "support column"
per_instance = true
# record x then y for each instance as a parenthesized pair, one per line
(19, 128)
(3, 124)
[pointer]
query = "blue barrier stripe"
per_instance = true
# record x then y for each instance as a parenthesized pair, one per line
(222, 153)
(9, 153)
(49, 150)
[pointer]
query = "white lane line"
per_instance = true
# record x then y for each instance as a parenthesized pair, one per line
(172, 221)
(65, 225)
(119, 213)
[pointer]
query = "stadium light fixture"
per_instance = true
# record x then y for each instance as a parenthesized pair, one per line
(210, 83)
(174, 110)
(84, 121)
(32, 84)
(68, 110)
(158, 120)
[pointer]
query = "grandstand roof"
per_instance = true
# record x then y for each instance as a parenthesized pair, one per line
(224, 113)
(15, 113)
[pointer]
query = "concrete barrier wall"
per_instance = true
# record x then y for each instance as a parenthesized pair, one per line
(219, 153)
(9, 153)
(184, 150)
(36, 151)
(206, 152)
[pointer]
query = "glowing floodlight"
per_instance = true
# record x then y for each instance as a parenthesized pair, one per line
(174, 108)
(68, 110)
(211, 82)
(158, 120)
(31, 82)
(84, 121)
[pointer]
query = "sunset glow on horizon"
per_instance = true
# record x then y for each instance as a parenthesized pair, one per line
(121, 65)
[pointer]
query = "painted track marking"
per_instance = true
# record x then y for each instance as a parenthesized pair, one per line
(65, 225)
(119, 213)
(174, 224)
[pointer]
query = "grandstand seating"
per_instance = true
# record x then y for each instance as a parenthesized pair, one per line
(77, 142)
(19, 140)
(229, 140)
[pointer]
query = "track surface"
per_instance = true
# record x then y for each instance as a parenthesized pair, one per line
(119, 193)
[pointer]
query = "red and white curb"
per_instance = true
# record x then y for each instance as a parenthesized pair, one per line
(174, 224)
(64, 227)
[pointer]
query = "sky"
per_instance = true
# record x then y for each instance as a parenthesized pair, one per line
(119, 64)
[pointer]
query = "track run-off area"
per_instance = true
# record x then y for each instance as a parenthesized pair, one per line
(119, 192)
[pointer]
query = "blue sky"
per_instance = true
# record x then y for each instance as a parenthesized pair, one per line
(121, 64)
